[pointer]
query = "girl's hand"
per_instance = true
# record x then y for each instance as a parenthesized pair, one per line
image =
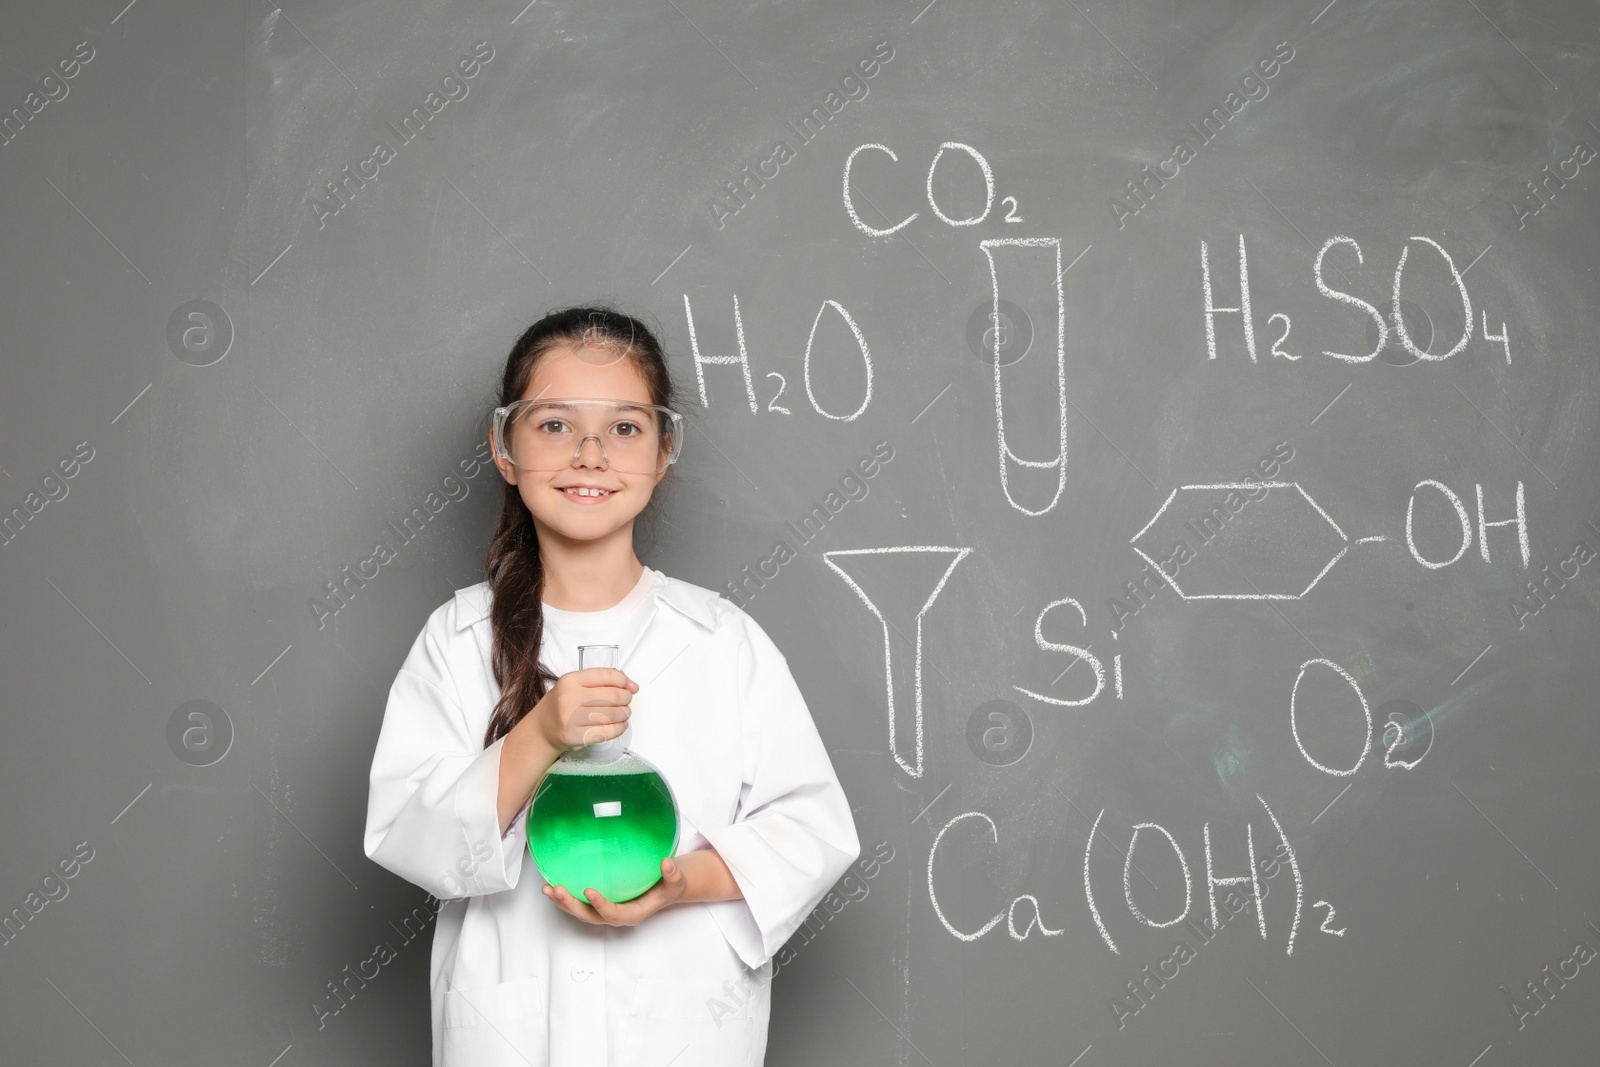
(601, 911)
(584, 707)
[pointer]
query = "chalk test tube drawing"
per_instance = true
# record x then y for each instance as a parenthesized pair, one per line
(1004, 450)
(897, 712)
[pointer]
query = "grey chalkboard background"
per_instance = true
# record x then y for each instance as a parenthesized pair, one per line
(253, 379)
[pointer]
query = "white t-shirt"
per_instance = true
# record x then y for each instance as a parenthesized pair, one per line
(565, 630)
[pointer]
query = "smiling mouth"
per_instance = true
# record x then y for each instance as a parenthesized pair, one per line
(587, 497)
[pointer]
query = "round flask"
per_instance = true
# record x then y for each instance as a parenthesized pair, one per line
(602, 817)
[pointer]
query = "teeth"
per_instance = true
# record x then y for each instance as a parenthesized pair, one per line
(588, 492)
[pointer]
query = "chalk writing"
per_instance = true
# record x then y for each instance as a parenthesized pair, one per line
(1212, 880)
(1004, 450)
(977, 157)
(1395, 321)
(913, 765)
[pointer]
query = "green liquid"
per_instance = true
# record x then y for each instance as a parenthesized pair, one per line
(577, 842)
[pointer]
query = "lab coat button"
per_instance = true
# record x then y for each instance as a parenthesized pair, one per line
(580, 975)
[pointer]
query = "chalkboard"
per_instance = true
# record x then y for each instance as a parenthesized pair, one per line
(1160, 436)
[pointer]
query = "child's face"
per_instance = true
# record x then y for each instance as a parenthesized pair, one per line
(588, 372)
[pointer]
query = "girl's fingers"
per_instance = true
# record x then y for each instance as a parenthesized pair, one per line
(606, 910)
(568, 903)
(554, 896)
(601, 910)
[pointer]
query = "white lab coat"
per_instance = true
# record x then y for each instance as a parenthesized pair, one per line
(516, 981)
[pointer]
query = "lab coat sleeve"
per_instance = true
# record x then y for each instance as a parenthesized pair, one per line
(432, 805)
(793, 835)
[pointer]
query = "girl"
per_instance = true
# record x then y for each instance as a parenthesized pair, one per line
(488, 697)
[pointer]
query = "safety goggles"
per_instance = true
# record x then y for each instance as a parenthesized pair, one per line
(549, 434)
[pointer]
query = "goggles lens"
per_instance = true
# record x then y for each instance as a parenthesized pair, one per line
(550, 435)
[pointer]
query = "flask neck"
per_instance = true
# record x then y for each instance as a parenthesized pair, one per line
(613, 749)
(604, 751)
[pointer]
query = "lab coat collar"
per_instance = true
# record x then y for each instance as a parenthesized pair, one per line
(649, 646)
(692, 601)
